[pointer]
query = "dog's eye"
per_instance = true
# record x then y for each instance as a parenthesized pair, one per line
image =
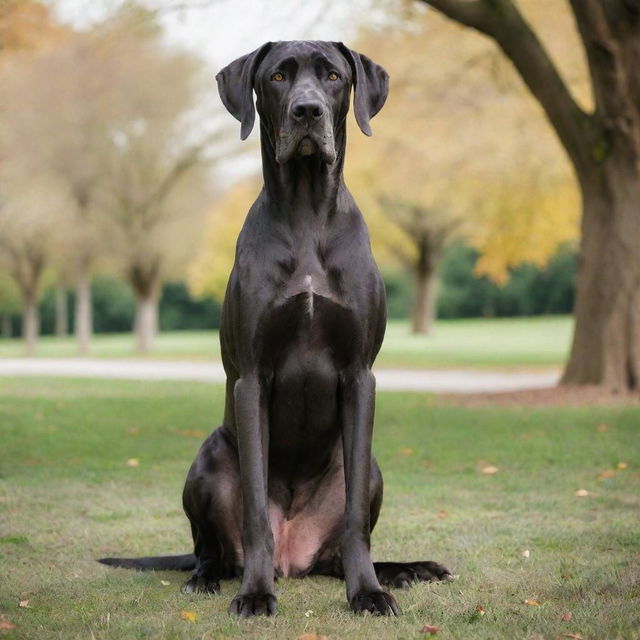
(333, 76)
(277, 77)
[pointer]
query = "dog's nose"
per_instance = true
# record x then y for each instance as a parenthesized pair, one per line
(308, 110)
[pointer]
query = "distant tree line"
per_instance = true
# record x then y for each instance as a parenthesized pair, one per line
(105, 165)
(531, 290)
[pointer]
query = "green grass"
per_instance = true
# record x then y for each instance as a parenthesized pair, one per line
(514, 342)
(67, 496)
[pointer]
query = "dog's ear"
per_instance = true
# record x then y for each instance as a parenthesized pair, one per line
(371, 86)
(235, 85)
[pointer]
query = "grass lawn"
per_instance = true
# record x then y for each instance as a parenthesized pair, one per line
(478, 342)
(69, 493)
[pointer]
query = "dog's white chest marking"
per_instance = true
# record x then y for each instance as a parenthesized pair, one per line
(308, 285)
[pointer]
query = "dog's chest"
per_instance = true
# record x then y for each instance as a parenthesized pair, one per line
(308, 316)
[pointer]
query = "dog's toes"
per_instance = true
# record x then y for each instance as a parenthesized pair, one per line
(201, 584)
(378, 603)
(254, 604)
(430, 571)
(404, 574)
(403, 579)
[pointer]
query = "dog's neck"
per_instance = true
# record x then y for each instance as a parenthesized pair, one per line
(304, 190)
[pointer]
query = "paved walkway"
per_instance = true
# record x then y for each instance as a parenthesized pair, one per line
(434, 380)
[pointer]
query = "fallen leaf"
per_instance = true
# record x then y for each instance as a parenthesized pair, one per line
(567, 616)
(133, 431)
(441, 515)
(311, 636)
(581, 493)
(193, 433)
(621, 466)
(526, 553)
(5, 625)
(575, 636)
(601, 428)
(24, 604)
(191, 616)
(432, 629)
(477, 614)
(407, 451)
(531, 603)
(489, 471)
(165, 583)
(607, 473)
(133, 462)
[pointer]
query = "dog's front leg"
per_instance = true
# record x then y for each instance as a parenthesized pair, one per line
(256, 595)
(364, 592)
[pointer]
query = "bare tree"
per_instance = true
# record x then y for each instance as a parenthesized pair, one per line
(28, 227)
(9, 303)
(156, 187)
(61, 311)
(108, 114)
(158, 201)
(603, 145)
(60, 111)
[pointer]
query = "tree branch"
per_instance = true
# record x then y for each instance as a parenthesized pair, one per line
(183, 164)
(602, 53)
(621, 23)
(501, 20)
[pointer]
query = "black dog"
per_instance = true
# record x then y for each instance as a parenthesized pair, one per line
(287, 485)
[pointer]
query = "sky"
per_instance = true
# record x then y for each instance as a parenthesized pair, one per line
(222, 30)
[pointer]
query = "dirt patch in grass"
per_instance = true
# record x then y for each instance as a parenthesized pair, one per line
(562, 396)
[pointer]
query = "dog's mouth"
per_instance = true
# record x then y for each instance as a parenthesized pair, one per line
(307, 147)
(298, 144)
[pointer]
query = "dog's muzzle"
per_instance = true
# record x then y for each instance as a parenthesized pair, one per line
(307, 130)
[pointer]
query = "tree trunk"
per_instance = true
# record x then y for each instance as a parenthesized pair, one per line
(429, 249)
(5, 323)
(606, 342)
(83, 314)
(604, 147)
(62, 315)
(146, 322)
(423, 312)
(30, 323)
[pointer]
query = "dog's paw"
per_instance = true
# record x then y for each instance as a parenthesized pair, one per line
(379, 603)
(253, 604)
(201, 584)
(430, 571)
(404, 574)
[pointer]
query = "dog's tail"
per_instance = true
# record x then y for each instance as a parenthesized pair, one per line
(185, 562)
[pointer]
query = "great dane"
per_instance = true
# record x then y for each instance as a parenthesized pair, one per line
(287, 486)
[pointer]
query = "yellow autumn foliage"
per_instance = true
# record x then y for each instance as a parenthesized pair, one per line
(461, 140)
(208, 273)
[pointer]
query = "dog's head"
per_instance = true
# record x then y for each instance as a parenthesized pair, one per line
(303, 91)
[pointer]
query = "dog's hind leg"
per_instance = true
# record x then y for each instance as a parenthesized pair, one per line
(211, 500)
(209, 564)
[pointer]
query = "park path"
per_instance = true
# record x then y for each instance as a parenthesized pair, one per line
(433, 380)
